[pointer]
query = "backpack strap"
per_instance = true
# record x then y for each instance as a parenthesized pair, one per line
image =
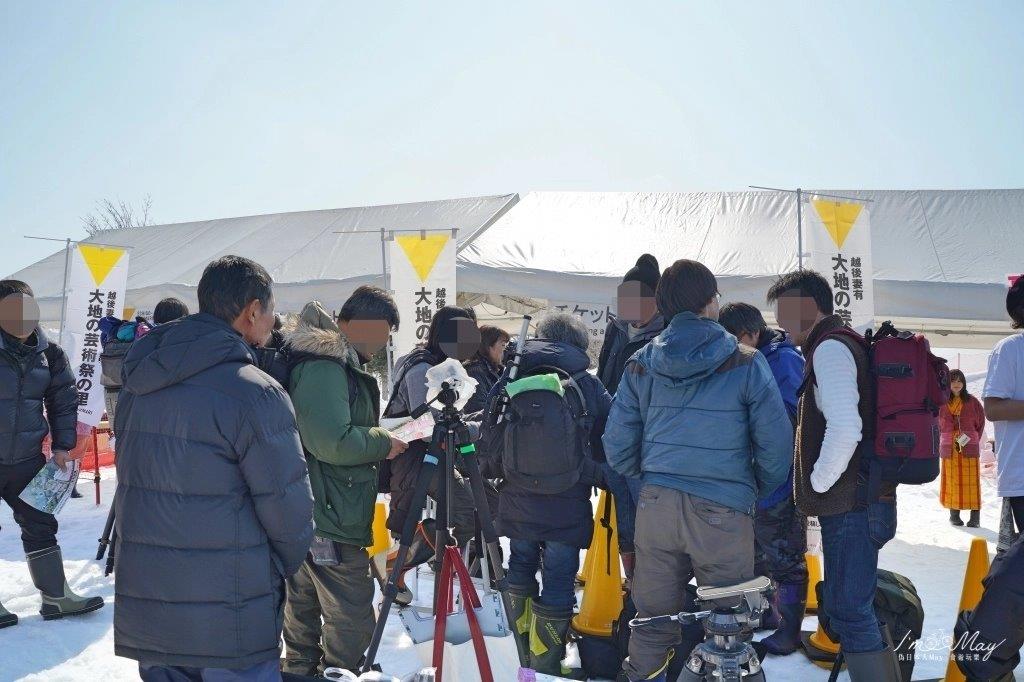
(571, 382)
(294, 359)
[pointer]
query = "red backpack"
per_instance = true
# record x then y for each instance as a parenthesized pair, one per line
(911, 385)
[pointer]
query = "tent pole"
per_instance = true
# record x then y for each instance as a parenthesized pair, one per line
(64, 291)
(799, 229)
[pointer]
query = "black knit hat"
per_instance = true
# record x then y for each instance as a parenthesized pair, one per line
(646, 270)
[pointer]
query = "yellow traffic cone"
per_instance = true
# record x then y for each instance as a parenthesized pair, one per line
(977, 569)
(381, 537)
(817, 645)
(813, 578)
(602, 596)
(588, 562)
(820, 648)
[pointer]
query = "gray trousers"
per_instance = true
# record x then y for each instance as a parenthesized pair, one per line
(328, 618)
(679, 536)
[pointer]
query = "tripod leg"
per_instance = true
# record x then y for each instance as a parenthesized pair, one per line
(476, 480)
(426, 473)
(105, 538)
(112, 554)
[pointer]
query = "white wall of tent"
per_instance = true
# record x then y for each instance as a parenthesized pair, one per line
(941, 258)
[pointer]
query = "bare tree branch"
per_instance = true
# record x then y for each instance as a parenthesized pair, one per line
(119, 216)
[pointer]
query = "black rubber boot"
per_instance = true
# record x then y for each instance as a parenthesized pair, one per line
(954, 517)
(876, 666)
(521, 601)
(549, 630)
(7, 619)
(975, 519)
(792, 599)
(47, 569)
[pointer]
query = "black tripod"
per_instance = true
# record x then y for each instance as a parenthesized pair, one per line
(108, 541)
(450, 439)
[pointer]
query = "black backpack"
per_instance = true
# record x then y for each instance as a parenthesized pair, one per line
(897, 606)
(546, 435)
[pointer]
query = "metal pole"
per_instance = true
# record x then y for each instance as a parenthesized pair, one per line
(389, 348)
(799, 229)
(64, 291)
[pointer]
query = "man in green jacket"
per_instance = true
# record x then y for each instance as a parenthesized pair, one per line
(329, 614)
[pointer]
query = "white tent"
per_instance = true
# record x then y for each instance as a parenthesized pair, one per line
(941, 257)
(310, 254)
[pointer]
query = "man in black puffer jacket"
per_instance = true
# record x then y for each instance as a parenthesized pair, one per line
(214, 508)
(547, 531)
(34, 374)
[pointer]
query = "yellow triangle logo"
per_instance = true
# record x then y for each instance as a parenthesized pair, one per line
(423, 252)
(838, 217)
(100, 259)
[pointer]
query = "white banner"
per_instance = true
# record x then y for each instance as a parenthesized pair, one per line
(423, 282)
(97, 280)
(595, 315)
(837, 241)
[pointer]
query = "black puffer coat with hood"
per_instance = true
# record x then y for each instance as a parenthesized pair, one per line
(214, 509)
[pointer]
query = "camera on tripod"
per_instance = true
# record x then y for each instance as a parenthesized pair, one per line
(729, 615)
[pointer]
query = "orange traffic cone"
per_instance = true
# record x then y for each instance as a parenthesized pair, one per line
(977, 569)
(602, 596)
(813, 578)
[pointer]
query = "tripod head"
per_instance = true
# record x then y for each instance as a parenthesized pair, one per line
(724, 611)
(729, 616)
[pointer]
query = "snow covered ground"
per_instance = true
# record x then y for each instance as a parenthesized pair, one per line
(926, 549)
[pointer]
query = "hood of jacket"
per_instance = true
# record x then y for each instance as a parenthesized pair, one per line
(306, 338)
(643, 334)
(774, 341)
(179, 350)
(541, 352)
(689, 350)
(316, 333)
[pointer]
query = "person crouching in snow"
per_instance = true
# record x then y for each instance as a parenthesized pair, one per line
(329, 613)
(544, 507)
(962, 420)
(779, 529)
(35, 373)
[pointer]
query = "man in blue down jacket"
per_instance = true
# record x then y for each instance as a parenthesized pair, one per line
(780, 530)
(699, 418)
(214, 508)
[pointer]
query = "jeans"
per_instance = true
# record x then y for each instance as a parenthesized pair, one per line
(850, 543)
(268, 671)
(626, 492)
(560, 564)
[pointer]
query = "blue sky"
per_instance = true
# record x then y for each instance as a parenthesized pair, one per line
(238, 108)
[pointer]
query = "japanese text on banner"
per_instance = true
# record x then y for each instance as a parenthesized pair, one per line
(423, 282)
(97, 280)
(838, 238)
